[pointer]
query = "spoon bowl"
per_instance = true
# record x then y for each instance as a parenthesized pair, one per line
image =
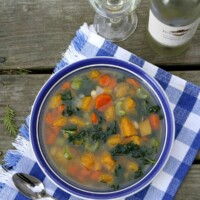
(30, 186)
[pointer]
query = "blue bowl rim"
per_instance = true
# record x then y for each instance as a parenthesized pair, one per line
(112, 62)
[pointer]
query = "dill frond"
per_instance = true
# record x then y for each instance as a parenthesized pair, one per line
(9, 121)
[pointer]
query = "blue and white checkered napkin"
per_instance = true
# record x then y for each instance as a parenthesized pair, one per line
(184, 99)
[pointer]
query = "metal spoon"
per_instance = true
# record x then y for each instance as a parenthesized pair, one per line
(30, 186)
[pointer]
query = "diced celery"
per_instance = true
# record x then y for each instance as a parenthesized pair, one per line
(91, 147)
(67, 154)
(76, 84)
(141, 93)
(155, 143)
(69, 131)
(119, 110)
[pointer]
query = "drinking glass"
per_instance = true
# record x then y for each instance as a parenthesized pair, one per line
(115, 20)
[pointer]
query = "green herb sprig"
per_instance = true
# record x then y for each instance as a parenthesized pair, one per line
(9, 121)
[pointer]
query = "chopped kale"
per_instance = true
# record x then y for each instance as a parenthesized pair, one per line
(145, 107)
(147, 160)
(95, 132)
(87, 86)
(115, 186)
(113, 128)
(142, 153)
(70, 129)
(69, 110)
(69, 132)
(121, 79)
(153, 109)
(91, 147)
(79, 137)
(117, 170)
(138, 173)
(98, 132)
(122, 149)
(66, 95)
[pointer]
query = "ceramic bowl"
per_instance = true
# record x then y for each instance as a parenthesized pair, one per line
(89, 64)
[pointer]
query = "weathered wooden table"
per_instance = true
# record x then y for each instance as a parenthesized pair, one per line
(34, 34)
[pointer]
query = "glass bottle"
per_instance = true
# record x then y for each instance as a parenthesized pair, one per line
(172, 25)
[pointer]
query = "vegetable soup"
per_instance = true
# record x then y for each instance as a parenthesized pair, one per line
(102, 129)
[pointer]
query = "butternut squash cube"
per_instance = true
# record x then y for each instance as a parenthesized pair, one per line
(127, 127)
(110, 113)
(77, 120)
(135, 139)
(108, 161)
(86, 104)
(106, 178)
(114, 140)
(94, 74)
(60, 122)
(145, 128)
(133, 166)
(87, 160)
(129, 104)
(55, 101)
(121, 90)
(97, 164)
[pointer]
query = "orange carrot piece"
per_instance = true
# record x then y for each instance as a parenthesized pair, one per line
(133, 82)
(72, 170)
(65, 85)
(51, 138)
(154, 121)
(113, 83)
(104, 80)
(95, 176)
(94, 118)
(85, 172)
(61, 108)
(49, 118)
(103, 101)
(52, 134)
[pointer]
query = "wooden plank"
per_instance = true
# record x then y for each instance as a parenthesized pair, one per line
(19, 92)
(190, 186)
(36, 33)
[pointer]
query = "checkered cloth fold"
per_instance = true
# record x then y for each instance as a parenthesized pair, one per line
(184, 100)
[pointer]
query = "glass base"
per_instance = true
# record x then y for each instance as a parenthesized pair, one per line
(116, 29)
